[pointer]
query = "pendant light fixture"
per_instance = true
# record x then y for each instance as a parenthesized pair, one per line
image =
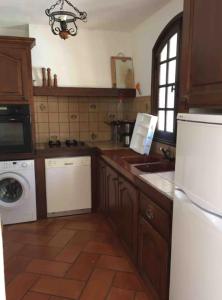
(63, 22)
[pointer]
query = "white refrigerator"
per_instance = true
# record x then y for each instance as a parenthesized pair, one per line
(196, 262)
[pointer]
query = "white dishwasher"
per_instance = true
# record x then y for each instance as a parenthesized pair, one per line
(68, 186)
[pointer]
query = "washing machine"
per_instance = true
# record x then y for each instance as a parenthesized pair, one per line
(17, 191)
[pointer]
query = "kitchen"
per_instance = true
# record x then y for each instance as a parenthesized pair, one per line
(95, 203)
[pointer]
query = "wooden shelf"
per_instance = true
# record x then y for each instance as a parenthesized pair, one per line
(83, 92)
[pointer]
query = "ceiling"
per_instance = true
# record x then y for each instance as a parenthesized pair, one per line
(122, 15)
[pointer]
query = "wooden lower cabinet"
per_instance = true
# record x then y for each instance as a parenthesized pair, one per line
(153, 260)
(112, 196)
(102, 206)
(128, 216)
(142, 225)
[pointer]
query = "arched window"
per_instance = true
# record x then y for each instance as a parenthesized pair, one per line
(165, 80)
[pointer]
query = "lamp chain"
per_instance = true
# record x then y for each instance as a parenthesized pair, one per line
(75, 8)
(62, 5)
(54, 5)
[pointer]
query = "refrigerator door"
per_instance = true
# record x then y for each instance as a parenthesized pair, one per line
(198, 161)
(196, 252)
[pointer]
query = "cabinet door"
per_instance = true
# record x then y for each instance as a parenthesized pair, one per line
(102, 186)
(201, 64)
(15, 74)
(112, 195)
(153, 259)
(128, 215)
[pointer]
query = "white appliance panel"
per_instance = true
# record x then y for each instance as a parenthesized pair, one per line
(2, 274)
(198, 163)
(196, 252)
(24, 209)
(68, 184)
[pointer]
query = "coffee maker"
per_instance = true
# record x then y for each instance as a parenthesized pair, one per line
(122, 132)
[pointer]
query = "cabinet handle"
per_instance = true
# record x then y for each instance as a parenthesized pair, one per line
(149, 214)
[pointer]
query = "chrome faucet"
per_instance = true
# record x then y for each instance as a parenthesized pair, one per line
(167, 153)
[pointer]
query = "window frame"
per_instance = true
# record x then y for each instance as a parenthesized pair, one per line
(174, 26)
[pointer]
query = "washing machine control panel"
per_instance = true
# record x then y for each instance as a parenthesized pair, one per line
(16, 165)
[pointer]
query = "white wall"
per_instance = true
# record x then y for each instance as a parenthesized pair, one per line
(144, 38)
(83, 60)
(21, 31)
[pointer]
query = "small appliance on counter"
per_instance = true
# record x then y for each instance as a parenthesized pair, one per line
(143, 133)
(122, 132)
(15, 128)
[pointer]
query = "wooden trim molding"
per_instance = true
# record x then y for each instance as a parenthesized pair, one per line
(18, 40)
(83, 92)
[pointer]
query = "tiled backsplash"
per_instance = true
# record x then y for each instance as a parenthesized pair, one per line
(82, 118)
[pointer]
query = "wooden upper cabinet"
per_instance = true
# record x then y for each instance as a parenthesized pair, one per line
(15, 69)
(201, 62)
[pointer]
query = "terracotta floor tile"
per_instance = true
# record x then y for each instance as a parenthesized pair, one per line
(83, 237)
(20, 285)
(103, 248)
(36, 296)
(69, 253)
(57, 298)
(127, 281)
(59, 287)
(47, 267)
(82, 225)
(77, 257)
(42, 252)
(94, 218)
(61, 238)
(30, 227)
(119, 294)
(11, 249)
(98, 285)
(83, 266)
(142, 296)
(28, 238)
(15, 266)
(54, 227)
(114, 263)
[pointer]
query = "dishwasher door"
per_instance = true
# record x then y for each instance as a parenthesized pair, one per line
(68, 186)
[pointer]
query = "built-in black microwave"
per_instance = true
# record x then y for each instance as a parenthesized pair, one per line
(15, 129)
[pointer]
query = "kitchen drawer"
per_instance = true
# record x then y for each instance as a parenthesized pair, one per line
(156, 216)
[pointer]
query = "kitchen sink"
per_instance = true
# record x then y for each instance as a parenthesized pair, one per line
(155, 167)
(134, 160)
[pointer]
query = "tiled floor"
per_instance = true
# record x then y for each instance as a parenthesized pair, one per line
(68, 258)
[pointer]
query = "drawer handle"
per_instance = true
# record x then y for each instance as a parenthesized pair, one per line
(149, 214)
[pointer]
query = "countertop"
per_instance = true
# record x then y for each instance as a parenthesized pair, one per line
(163, 182)
(158, 186)
(44, 151)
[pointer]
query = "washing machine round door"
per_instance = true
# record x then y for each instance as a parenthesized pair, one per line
(14, 190)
